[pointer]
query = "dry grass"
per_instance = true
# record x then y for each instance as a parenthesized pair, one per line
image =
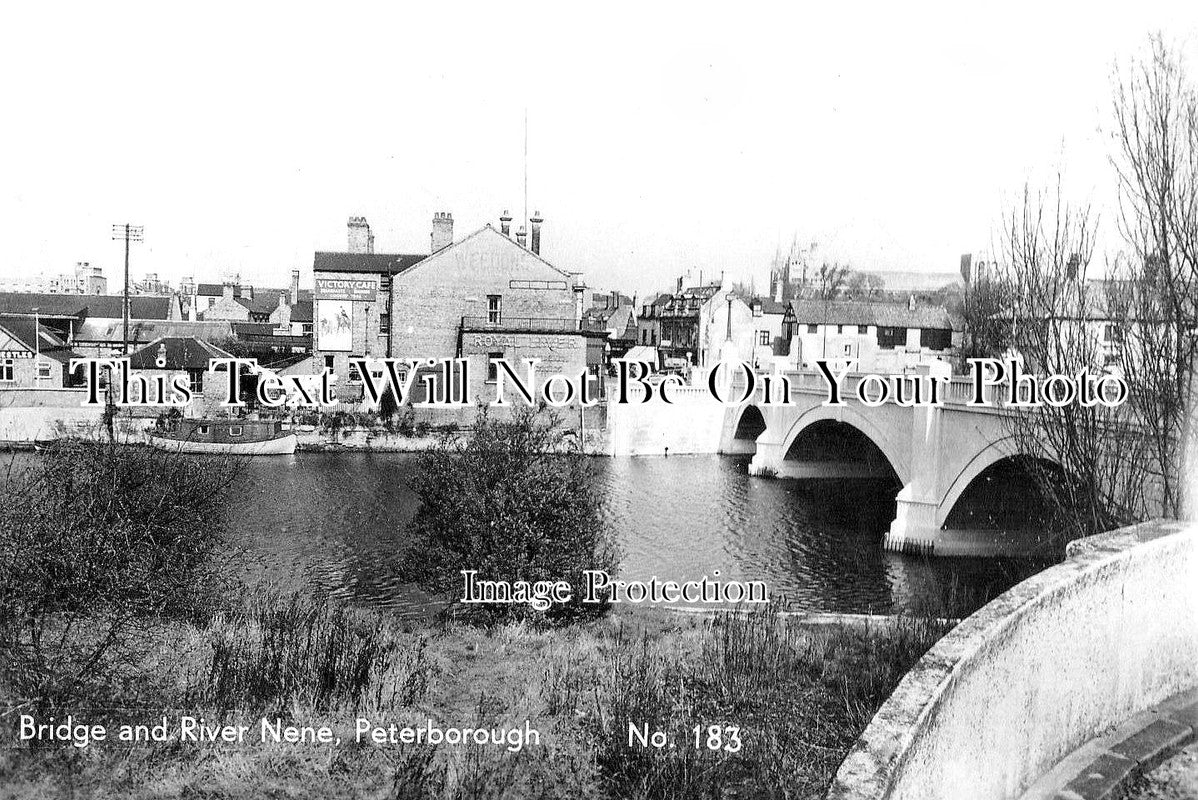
(800, 697)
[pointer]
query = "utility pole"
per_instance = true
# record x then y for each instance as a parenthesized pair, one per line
(37, 348)
(129, 233)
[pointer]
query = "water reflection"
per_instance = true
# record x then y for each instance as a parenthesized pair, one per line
(335, 522)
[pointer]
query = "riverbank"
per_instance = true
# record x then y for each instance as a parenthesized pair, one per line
(797, 696)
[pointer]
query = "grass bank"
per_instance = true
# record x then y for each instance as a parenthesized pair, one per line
(798, 697)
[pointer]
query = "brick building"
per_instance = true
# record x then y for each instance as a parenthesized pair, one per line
(33, 356)
(485, 295)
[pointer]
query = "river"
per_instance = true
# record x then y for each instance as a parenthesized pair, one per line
(333, 523)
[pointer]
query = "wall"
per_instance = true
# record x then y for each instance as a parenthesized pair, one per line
(431, 298)
(365, 337)
(693, 424)
(1039, 671)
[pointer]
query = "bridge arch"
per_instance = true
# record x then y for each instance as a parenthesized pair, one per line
(891, 448)
(994, 452)
(750, 423)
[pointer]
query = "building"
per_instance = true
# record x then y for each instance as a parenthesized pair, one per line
(700, 323)
(33, 356)
(484, 296)
(173, 356)
(289, 310)
(66, 314)
(879, 337)
(85, 279)
(771, 321)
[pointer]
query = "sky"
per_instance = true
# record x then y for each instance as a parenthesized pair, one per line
(660, 139)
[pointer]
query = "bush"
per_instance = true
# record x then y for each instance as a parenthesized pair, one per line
(98, 542)
(516, 501)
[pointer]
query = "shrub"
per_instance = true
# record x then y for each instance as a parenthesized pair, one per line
(516, 501)
(98, 542)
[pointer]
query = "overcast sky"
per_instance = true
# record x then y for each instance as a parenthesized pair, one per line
(242, 136)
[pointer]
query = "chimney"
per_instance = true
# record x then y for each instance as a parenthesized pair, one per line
(227, 290)
(522, 237)
(911, 302)
(536, 231)
(282, 299)
(294, 286)
(442, 235)
(361, 240)
(679, 285)
(505, 224)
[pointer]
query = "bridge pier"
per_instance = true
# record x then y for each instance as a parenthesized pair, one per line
(914, 529)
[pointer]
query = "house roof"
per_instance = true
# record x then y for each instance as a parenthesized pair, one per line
(48, 344)
(85, 305)
(769, 305)
(180, 352)
(487, 229)
(389, 263)
(886, 315)
(141, 330)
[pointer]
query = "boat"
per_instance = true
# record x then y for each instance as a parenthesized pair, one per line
(248, 437)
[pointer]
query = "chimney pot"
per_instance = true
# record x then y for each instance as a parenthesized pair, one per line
(361, 240)
(522, 237)
(536, 231)
(505, 223)
(442, 233)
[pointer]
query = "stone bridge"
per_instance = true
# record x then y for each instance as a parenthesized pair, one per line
(935, 452)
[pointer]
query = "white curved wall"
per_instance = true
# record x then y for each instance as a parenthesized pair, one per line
(1037, 672)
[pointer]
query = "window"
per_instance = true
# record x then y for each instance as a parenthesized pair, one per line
(1112, 333)
(234, 430)
(840, 329)
(328, 363)
(43, 370)
(936, 338)
(493, 308)
(891, 338)
(203, 430)
(195, 379)
(763, 338)
(211, 302)
(757, 309)
(385, 324)
(8, 370)
(354, 375)
(848, 349)
(645, 336)
(492, 370)
(813, 329)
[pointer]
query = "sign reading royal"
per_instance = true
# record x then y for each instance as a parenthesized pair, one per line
(347, 289)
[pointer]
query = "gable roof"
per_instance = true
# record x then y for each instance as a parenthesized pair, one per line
(488, 229)
(85, 305)
(386, 263)
(181, 352)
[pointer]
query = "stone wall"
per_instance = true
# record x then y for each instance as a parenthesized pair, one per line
(1039, 671)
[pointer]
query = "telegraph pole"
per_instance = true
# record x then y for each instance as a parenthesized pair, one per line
(129, 233)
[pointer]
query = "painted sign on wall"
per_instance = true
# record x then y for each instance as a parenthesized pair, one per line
(334, 325)
(347, 289)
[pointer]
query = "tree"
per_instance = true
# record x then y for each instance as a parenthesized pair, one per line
(865, 286)
(1083, 459)
(515, 500)
(1156, 301)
